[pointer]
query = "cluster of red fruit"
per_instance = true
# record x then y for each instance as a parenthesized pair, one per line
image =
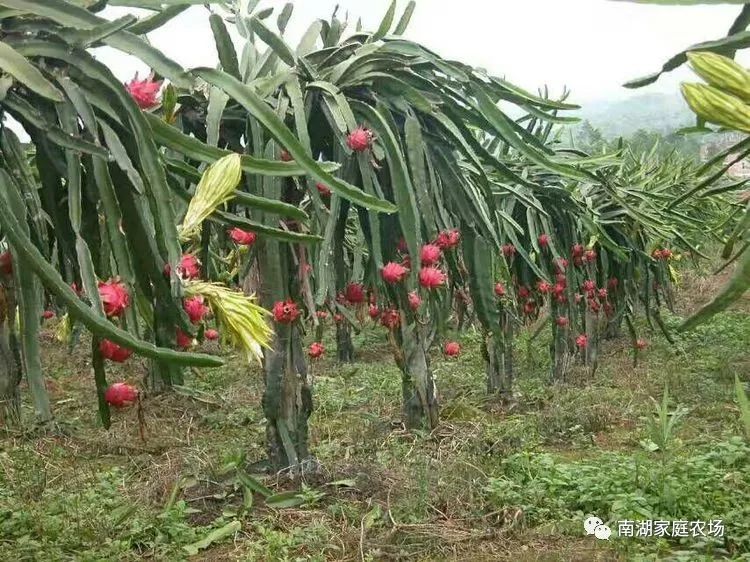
(430, 275)
(116, 299)
(356, 294)
(662, 254)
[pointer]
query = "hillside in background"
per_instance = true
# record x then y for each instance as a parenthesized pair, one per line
(655, 112)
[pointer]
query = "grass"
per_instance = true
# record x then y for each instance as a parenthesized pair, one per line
(488, 484)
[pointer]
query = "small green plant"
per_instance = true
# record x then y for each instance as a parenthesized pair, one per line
(662, 426)
(744, 404)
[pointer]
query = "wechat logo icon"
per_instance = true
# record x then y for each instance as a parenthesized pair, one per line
(595, 526)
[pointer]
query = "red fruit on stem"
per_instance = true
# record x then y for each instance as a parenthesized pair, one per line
(448, 239)
(509, 250)
(666, 254)
(355, 293)
(316, 350)
(285, 312)
(562, 321)
(188, 268)
(524, 293)
(561, 279)
(114, 296)
(560, 265)
(641, 344)
(121, 395)
(211, 334)
(543, 240)
(603, 294)
(390, 318)
(577, 251)
(183, 340)
(543, 287)
(338, 318)
(374, 311)
(360, 139)
(110, 350)
(323, 190)
(415, 301)
(394, 273)
(144, 92)
(590, 256)
(589, 286)
(452, 349)
(500, 290)
(529, 308)
(6, 263)
(431, 277)
(613, 283)
(242, 237)
(48, 314)
(431, 254)
(195, 309)
(322, 315)
(582, 341)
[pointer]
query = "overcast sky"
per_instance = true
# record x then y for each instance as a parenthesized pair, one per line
(591, 46)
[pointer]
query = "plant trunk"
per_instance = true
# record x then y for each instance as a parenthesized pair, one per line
(562, 358)
(614, 327)
(287, 401)
(10, 362)
(420, 407)
(591, 353)
(162, 375)
(344, 345)
(498, 355)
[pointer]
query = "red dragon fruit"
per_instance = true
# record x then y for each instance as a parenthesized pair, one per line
(195, 308)
(355, 293)
(431, 254)
(394, 273)
(286, 312)
(121, 395)
(360, 139)
(452, 349)
(431, 277)
(110, 350)
(144, 92)
(114, 296)
(242, 237)
(316, 350)
(415, 301)
(448, 239)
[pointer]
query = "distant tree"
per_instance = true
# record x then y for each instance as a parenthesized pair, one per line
(589, 138)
